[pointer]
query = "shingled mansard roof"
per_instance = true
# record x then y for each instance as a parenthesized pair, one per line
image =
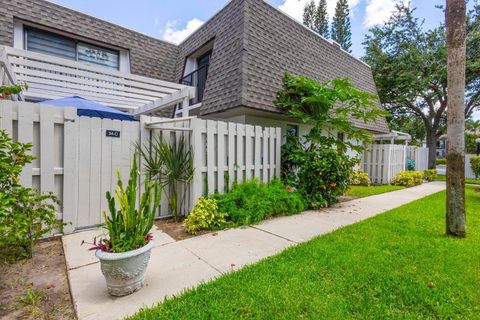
(254, 44)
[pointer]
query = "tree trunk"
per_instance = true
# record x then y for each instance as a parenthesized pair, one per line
(432, 148)
(455, 16)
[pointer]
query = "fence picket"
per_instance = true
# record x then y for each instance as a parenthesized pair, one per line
(211, 131)
(240, 152)
(47, 181)
(231, 153)
(70, 170)
(257, 161)
(25, 135)
(95, 170)
(6, 121)
(221, 155)
(249, 132)
(266, 137)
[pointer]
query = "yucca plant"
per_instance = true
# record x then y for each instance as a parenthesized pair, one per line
(172, 165)
(129, 227)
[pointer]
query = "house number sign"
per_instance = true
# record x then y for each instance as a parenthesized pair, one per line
(113, 134)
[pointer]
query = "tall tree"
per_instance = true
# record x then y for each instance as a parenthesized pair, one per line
(321, 19)
(309, 14)
(409, 68)
(455, 17)
(341, 29)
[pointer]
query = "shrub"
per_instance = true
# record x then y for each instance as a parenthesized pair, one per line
(25, 215)
(128, 227)
(205, 216)
(360, 178)
(252, 201)
(475, 164)
(410, 164)
(408, 178)
(320, 173)
(441, 162)
(318, 165)
(430, 175)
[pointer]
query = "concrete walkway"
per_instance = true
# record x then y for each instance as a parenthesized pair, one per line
(178, 265)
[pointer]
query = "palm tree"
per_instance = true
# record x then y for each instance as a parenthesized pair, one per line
(455, 16)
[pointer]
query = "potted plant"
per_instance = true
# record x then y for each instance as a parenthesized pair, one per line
(125, 253)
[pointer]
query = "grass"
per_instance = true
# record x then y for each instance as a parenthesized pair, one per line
(467, 180)
(399, 265)
(363, 191)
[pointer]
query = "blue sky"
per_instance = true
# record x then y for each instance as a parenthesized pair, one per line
(173, 20)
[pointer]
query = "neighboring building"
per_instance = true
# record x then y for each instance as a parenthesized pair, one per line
(236, 60)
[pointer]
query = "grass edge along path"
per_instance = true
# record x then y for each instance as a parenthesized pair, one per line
(396, 265)
(364, 191)
(467, 180)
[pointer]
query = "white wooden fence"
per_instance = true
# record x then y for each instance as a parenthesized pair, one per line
(383, 162)
(224, 153)
(420, 156)
(77, 161)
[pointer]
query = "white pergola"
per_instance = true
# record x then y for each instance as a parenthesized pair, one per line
(392, 137)
(50, 77)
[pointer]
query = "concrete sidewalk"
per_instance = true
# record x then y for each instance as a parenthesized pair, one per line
(176, 266)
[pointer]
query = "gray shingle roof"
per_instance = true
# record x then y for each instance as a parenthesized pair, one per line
(255, 44)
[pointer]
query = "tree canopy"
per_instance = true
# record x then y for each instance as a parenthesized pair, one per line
(341, 28)
(409, 65)
(316, 17)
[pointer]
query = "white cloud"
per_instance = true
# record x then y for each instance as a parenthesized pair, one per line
(173, 34)
(378, 11)
(294, 8)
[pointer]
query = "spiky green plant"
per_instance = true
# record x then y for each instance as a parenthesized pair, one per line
(172, 165)
(129, 227)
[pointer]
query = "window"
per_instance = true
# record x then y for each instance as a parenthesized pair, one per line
(292, 130)
(341, 136)
(57, 45)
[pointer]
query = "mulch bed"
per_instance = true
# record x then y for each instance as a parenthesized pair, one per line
(36, 288)
(176, 230)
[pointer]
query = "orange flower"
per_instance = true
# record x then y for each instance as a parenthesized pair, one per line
(289, 188)
(333, 184)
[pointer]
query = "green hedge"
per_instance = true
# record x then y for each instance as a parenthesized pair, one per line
(441, 162)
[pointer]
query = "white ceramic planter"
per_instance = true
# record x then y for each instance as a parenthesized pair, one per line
(125, 272)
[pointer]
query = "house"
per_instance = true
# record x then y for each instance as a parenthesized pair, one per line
(235, 62)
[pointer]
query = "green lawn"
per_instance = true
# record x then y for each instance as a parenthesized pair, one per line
(363, 191)
(398, 265)
(467, 180)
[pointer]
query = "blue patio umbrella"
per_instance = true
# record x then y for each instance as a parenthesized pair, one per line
(90, 108)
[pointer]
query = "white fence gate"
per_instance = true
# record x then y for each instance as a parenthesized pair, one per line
(383, 162)
(77, 161)
(74, 157)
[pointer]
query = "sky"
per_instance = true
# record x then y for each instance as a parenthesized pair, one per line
(174, 20)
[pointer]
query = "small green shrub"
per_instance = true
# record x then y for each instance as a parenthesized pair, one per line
(410, 164)
(408, 178)
(475, 163)
(252, 201)
(205, 216)
(430, 175)
(360, 178)
(25, 215)
(441, 162)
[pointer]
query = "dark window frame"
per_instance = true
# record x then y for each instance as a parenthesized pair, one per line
(77, 42)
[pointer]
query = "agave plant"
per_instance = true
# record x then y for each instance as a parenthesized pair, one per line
(128, 227)
(172, 165)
